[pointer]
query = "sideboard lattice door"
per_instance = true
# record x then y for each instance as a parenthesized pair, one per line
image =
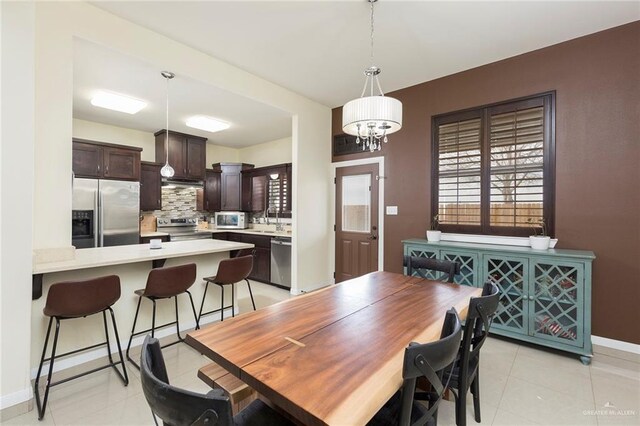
(511, 276)
(558, 303)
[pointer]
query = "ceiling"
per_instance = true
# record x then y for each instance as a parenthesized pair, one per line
(320, 48)
(97, 68)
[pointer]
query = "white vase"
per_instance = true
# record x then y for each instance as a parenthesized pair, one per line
(434, 235)
(539, 242)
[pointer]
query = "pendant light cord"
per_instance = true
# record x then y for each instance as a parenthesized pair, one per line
(166, 140)
(371, 21)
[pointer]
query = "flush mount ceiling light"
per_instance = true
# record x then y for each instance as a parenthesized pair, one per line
(117, 102)
(167, 171)
(371, 118)
(208, 124)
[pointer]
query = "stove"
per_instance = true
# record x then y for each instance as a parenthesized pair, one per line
(182, 229)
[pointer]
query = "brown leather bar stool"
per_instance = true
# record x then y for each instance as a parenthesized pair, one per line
(230, 272)
(77, 299)
(165, 283)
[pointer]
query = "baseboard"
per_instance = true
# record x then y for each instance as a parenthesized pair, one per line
(88, 356)
(631, 349)
(15, 398)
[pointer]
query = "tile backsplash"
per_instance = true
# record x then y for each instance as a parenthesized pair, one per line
(178, 202)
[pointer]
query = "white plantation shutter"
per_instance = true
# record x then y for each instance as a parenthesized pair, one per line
(459, 172)
(517, 167)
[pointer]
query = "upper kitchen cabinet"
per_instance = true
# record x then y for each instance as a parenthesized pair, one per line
(187, 154)
(231, 184)
(105, 161)
(209, 198)
(150, 186)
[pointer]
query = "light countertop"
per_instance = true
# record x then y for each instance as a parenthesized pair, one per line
(251, 232)
(105, 256)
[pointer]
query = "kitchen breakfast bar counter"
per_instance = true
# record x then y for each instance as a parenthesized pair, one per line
(132, 264)
(119, 255)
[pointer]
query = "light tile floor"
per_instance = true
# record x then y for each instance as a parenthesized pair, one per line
(520, 385)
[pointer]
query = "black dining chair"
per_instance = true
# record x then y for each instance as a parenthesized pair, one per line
(180, 407)
(423, 360)
(465, 373)
(421, 265)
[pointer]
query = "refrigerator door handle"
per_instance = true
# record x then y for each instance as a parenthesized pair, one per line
(95, 219)
(100, 219)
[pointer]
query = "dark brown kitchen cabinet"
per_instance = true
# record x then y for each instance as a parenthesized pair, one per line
(254, 192)
(187, 154)
(208, 198)
(150, 186)
(105, 161)
(231, 184)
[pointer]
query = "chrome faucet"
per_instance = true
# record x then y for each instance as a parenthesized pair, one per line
(279, 226)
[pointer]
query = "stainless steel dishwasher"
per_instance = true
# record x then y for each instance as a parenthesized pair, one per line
(281, 261)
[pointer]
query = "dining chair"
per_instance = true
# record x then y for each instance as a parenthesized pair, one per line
(230, 272)
(181, 407)
(420, 265)
(423, 360)
(165, 283)
(465, 373)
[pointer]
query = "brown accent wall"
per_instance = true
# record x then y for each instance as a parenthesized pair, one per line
(597, 84)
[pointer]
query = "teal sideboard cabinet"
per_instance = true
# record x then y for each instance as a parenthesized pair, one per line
(545, 295)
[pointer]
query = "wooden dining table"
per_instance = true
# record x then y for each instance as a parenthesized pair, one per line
(333, 356)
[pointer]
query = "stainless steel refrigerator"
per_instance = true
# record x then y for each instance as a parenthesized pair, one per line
(105, 213)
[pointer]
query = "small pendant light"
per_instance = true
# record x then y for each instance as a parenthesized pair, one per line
(167, 171)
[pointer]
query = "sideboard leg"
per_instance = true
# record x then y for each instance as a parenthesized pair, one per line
(586, 360)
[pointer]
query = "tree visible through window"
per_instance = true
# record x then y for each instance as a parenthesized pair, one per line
(493, 167)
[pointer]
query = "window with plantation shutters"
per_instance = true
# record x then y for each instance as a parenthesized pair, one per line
(493, 168)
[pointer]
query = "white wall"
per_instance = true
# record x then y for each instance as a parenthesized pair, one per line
(99, 132)
(221, 154)
(56, 25)
(268, 153)
(17, 32)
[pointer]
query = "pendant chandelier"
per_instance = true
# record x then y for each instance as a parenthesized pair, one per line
(167, 171)
(371, 118)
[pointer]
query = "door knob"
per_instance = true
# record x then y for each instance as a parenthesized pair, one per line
(373, 237)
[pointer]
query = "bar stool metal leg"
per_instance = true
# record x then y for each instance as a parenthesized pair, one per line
(133, 329)
(204, 296)
(123, 375)
(193, 308)
(37, 382)
(222, 303)
(42, 407)
(233, 300)
(251, 294)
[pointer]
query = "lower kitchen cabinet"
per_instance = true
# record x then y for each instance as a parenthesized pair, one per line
(262, 261)
(545, 295)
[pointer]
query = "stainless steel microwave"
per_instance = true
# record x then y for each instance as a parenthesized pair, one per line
(231, 220)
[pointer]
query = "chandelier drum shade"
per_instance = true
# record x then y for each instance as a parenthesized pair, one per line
(371, 118)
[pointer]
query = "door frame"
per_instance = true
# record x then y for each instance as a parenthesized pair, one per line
(381, 181)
